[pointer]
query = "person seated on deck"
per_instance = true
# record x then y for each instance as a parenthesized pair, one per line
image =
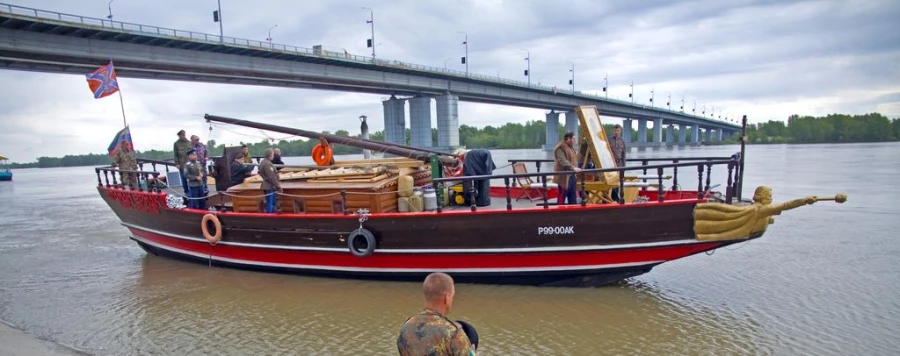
(239, 170)
(430, 332)
(193, 172)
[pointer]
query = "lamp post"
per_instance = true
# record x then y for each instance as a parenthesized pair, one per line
(669, 102)
(445, 62)
(652, 105)
(606, 85)
(217, 17)
(631, 95)
(371, 20)
(695, 107)
(110, 12)
(528, 69)
(270, 35)
(682, 102)
(572, 81)
(465, 59)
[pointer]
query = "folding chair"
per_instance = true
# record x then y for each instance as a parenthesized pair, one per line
(530, 189)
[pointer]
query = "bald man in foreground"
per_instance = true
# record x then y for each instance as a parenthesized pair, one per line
(430, 332)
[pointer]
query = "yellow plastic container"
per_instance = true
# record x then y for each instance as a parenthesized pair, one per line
(405, 186)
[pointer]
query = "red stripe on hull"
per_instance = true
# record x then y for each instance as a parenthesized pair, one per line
(573, 260)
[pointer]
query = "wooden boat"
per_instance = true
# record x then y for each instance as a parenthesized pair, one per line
(345, 219)
(5, 172)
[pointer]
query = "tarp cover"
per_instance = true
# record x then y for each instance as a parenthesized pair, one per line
(478, 162)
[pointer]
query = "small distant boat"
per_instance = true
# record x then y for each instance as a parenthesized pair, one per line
(5, 173)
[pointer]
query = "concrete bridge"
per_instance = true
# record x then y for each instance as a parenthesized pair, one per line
(46, 41)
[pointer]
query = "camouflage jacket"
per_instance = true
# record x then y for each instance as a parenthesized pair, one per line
(193, 172)
(617, 144)
(269, 175)
(181, 147)
(430, 333)
(125, 160)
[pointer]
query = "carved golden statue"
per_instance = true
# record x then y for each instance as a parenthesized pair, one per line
(717, 221)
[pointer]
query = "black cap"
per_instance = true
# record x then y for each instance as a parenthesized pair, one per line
(180, 132)
(470, 332)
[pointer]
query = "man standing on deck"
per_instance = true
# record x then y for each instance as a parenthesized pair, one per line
(202, 155)
(239, 170)
(271, 183)
(617, 144)
(277, 159)
(247, 158)
(181, 147)
(124, 160)
(565, 160)
(194, 173)
(430, 332)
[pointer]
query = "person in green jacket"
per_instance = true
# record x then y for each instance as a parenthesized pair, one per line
(181, 148)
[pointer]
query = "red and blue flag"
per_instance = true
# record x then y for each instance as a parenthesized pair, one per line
(122, 136)
(103, 81)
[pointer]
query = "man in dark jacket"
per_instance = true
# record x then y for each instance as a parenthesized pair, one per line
(277, 159)
(239, 170)
(271, 183)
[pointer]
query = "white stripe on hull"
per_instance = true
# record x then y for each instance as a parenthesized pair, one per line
(432, 251)
(395, 270)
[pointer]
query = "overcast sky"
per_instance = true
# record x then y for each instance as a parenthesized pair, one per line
(765, 59)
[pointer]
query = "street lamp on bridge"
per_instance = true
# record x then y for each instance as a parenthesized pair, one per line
(652, 105)
(465, 59)
(445, 62)
(682, 102)
(528, 69)
(572, 81)
(371, 41)
(669, 102)
(110, 11)
(217, 17)
(606, 85)
(270, 35)
(631, 95)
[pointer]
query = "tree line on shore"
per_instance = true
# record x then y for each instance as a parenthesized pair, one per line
(835, 128)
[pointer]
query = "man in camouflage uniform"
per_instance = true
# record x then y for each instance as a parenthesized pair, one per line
(194, 173)
(271, 182)
(124, 160)
(181, 147)
(617, 144)
(202, 155)
(430, 332)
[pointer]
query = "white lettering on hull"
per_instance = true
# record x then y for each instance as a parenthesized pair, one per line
(556, 230)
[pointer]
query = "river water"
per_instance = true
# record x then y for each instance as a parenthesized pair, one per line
(823, 281)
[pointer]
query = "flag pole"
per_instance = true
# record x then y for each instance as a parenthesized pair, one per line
(122, 104)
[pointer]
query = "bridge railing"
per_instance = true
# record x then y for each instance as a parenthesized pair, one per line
(147, 30)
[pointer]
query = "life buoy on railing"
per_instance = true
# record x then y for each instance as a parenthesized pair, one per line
(323, 155)
(204, 226)
(370, 242)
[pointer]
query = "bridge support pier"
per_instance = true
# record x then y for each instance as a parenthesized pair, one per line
(447, 110)
(707, 133)
(719, 134)
(670, 135)
(682, 134)
(395, 120)
(552, 131)
(420, 122)
(657, 133)
(642, 132)
(626, 132)
(695, 135)
(572, 123)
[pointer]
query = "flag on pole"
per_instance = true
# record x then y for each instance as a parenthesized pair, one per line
(103, 81)
(122, 136)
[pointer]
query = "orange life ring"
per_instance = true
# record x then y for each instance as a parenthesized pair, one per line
(213, 239)
(323, 155)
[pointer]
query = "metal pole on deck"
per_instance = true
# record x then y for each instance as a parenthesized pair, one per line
(740, 187)
(364, 134)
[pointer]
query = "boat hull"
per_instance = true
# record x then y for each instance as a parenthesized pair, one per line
(5, 176)
(559, 246)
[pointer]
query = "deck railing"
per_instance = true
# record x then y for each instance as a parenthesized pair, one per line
(702, 164)
(143, 180)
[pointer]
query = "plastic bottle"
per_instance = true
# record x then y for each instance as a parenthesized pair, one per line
(430, 198)
(403, 205)
(416, 203)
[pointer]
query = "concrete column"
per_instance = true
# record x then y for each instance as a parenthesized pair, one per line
(682, 134)
(626, 130)
(719, 134)
(706, 134)
(395, 120)
(420, 121)
(572, 123)
(447, 121)
(670, 135)
(642, 131)
(695, 135)
(552, 131)
(657, 130)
